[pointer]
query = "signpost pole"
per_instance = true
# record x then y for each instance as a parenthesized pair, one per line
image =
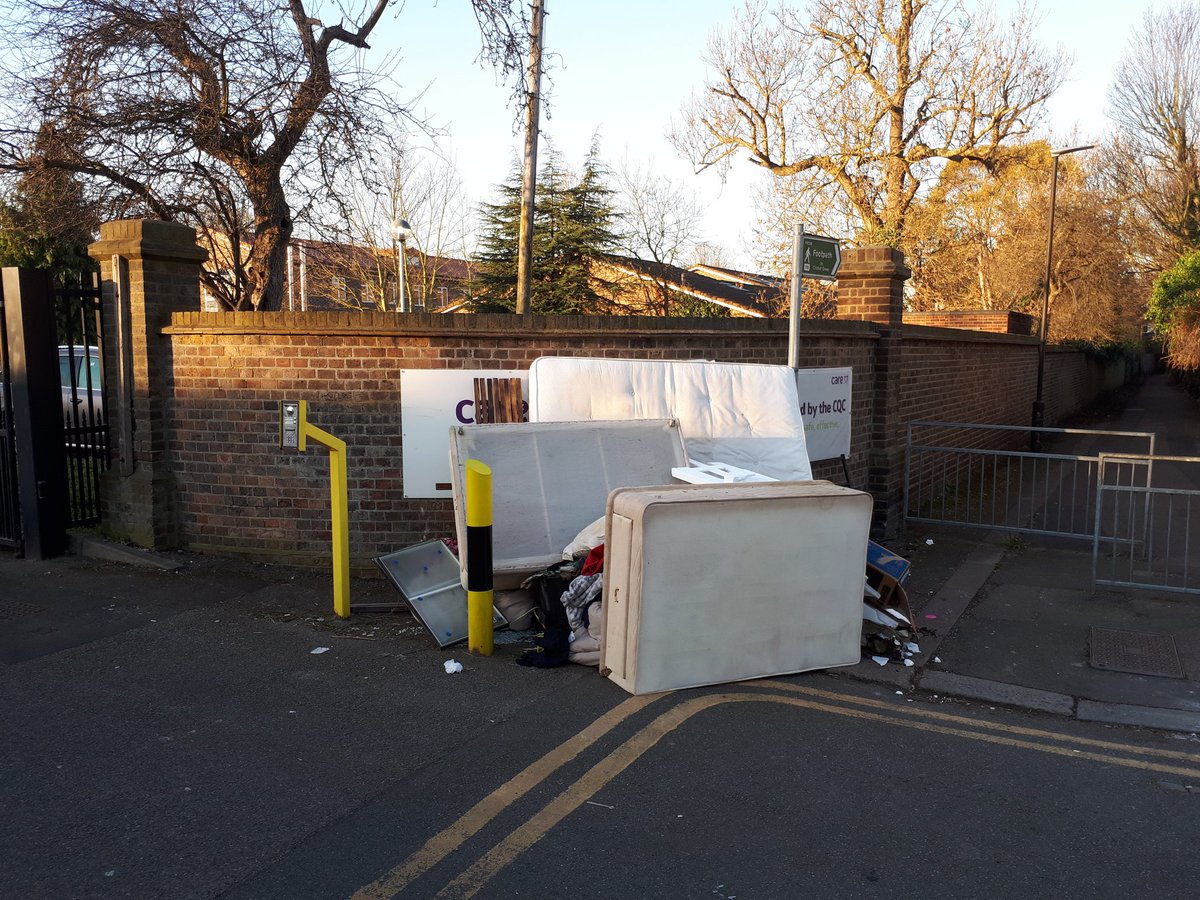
(797, 295)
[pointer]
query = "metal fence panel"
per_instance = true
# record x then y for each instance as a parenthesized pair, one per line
(978, 476)
(1145, 536)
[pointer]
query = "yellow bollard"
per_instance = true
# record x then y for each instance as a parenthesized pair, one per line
(479, 558)
(340, 525)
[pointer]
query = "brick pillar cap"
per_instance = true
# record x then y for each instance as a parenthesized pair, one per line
(147, 239)
(879, 262)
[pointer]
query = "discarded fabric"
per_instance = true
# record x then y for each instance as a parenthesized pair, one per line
(587, 539)
(552, 650)
(579, 595)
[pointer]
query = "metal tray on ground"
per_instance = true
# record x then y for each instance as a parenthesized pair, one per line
(428, 578)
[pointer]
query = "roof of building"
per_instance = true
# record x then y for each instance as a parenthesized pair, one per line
(448, 268)
(743, 292)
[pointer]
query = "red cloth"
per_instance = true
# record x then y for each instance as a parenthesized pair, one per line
(594, 562)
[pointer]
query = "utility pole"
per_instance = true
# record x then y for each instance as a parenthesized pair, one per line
(533, 88)
(1038, 419)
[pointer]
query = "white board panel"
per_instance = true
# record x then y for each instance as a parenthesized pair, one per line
(432, 401)
(824, 396)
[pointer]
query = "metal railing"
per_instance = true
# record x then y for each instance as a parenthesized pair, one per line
(85, 425)
(977, 476)
(1143, 534)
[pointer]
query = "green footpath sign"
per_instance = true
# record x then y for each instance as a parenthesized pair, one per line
(821, 257)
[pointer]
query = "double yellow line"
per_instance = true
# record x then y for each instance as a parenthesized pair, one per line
(473, 879)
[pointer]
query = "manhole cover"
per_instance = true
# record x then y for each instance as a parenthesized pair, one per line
(11, 610)
(1135, 651)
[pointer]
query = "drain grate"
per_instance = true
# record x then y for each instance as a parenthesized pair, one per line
(1135, 651)
(11, 610)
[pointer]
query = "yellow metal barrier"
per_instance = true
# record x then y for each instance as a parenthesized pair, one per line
(480, 595)
(294, 432)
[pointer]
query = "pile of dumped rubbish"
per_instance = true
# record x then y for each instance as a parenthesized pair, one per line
(659, 520)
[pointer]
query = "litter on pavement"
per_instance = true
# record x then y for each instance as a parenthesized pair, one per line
(626, 542)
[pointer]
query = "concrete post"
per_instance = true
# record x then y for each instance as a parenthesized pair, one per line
(871, 289)
(149, 270)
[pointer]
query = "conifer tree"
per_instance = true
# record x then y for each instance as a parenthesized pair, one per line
(573, 227)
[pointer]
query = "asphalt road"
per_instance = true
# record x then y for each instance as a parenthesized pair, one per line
(172, 735)
(802, 787)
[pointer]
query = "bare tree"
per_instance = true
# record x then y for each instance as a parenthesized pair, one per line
(709, 253)
(1155, 102)
(170, 98)
(390, 183)
(978, 241)
(661, 223)
(866, 100)
(225, 114)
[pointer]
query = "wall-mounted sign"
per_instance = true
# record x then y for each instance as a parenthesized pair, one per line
(432, 401)
(825, 406)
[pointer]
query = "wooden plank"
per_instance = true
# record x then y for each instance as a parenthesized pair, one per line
(497, 400)
(483, 415)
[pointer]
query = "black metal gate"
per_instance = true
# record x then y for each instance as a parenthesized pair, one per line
(81, 373)
(10, 525)
(53, 429)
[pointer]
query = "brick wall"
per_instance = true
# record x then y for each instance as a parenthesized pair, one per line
(209, 474)
(239, 494)
(994, 321)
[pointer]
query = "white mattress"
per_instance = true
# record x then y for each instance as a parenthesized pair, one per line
(743, 415)
(785, 595)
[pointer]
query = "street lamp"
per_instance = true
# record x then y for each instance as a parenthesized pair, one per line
(1039, 407)
(401, 232)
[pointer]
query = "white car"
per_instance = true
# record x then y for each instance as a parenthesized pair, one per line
(82, 388)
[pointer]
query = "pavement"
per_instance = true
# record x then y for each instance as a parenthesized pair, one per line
(141, 687)
(1006, 618)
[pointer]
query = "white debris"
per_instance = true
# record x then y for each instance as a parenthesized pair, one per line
(912, 647)
(937, 659)
(908, 662)
(882, 660)
(452, 666)
(873, 615)
(929, 541)
(316, 650)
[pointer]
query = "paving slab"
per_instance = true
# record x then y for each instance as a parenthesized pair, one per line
(997, 692)
(1143, 716)
(1036, 636)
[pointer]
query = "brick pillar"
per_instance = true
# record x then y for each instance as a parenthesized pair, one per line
(871, 289)
(149, 270)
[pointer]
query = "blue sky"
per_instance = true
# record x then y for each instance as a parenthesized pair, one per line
(623, 68)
